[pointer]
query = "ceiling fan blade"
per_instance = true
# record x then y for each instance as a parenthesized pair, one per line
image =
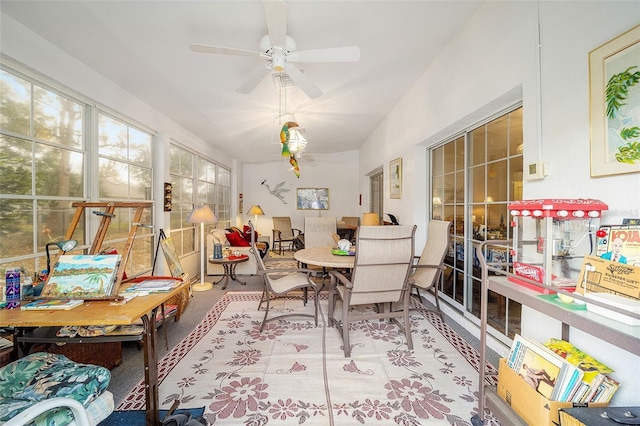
(335, 54)
(253, 81)
(205, 48)
(302, 81)
(276, 15)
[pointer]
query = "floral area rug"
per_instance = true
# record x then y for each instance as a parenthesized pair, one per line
(296, 373)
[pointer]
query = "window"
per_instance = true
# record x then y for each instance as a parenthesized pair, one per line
(42, 163)
(125, 174)
(182, 176)
(46, 153)
(212, 187)
(474, 176)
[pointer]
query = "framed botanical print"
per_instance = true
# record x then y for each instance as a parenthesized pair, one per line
(312, 198)
(395, 178)
(614, 85)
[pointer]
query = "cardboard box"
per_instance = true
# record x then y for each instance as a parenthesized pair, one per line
(605, 276)
(534, 408)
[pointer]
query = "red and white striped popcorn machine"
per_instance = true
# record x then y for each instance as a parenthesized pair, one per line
(550, 239)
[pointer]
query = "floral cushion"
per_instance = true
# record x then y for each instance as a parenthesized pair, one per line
(43, 375)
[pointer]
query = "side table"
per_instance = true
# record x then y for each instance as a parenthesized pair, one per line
(229, 265)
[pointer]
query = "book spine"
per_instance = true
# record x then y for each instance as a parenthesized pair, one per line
(574, 381)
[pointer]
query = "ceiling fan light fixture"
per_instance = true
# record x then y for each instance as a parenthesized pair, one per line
(282, 79)
(277, 63)
(297, 142)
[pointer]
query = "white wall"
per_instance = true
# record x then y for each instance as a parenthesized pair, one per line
(491, 65)
(338, 172)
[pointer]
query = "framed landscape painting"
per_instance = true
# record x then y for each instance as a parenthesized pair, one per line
(614, 86)
(312, 198)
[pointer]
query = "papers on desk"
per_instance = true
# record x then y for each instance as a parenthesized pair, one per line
(159, 285)
(51, 305)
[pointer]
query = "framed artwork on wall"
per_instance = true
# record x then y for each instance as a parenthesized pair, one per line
(312, 198)
(614, 86)
(395, 178)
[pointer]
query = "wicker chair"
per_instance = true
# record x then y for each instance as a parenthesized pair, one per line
(430, 265)
(284, 233)
(280, 282)
(380, 276)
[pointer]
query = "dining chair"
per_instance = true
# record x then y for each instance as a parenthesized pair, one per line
(284, 233)
(351, 224)
(318, 231)
(427, 270)
(380, 276)
(280, 283)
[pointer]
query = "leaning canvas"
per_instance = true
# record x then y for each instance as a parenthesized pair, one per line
(82, 276)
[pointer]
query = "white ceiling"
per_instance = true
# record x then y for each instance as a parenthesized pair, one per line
(143, 46)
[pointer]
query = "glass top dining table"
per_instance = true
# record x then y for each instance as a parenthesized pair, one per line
(322, 256)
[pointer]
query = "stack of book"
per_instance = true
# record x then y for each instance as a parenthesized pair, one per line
(561, 372)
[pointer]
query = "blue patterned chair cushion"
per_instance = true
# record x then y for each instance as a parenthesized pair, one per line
(43, 375)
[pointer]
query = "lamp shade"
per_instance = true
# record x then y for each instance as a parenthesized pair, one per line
(370, 219)
(202, 214)
(256, 210)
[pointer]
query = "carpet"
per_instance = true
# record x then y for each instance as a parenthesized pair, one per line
(138, 417)
(294, 373)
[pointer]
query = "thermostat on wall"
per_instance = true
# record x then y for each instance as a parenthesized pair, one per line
(536, 171)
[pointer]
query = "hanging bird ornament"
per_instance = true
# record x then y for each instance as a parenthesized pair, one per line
(284, 139)
(294, 164)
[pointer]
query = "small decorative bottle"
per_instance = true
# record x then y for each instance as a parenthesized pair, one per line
(12, 279)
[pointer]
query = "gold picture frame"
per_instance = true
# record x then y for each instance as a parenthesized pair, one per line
(312, 198)
(614, 92)
(395, 178)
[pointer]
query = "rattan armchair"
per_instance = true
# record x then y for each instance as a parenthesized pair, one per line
(380, 277)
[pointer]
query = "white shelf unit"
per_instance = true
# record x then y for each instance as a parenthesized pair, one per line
(622, 335)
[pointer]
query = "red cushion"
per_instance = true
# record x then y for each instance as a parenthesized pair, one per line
(247, 233)
(237, 240)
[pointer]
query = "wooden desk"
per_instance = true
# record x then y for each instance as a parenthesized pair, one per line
(101, 313)
(321, 256)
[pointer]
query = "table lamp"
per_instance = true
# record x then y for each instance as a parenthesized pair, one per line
(64, 245)
(370, 219)
(256, 211)
(202, 214)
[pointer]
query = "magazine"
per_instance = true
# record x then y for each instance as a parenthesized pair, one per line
(545, 371)
(589, 365)
(594, 372)
(538, 369)
(82, 276)
(51, 305)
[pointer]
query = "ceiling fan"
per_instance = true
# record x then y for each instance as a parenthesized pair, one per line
(280, 52)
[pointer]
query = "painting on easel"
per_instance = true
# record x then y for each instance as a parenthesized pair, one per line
(173, 261)
(82, 277)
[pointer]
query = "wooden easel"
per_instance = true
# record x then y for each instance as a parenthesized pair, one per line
(106, 216)
(161, 236)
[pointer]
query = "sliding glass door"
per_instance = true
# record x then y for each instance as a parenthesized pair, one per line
(474, 176)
